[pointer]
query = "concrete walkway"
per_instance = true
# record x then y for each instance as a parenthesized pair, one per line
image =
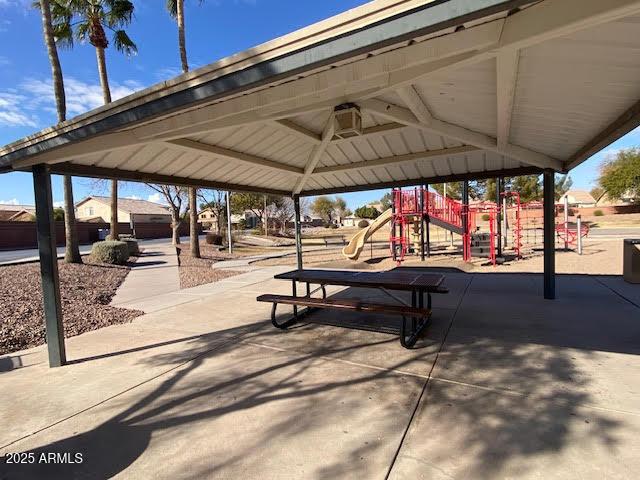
(504, 385)
(152, 277)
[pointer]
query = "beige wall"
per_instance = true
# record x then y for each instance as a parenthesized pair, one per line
(93, 208)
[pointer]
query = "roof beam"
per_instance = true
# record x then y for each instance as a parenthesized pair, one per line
(619, 127)
(214, 150)
(556, 18)
(116, 174)
(299, 131)
(456, 177)
(464, 135)
(316, 154)
(394, 160)
(506, 78)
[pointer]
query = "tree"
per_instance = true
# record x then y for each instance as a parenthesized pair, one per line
(176, 10)
(367, 212)
(254, 202)
(454, 189)
(528, 186)
(597, 193)
(323, 207)
(88, 20)
(58, 214)
(562, 184)
(72, 249)
(177, 200)
(217, 204)
(282, 210)
(386, 201)
(340, 207)
(620, 175)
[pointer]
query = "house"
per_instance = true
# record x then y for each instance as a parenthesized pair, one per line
(578, 198)
(247, 219)
(96, 208)
(351, 221)
(20, 213)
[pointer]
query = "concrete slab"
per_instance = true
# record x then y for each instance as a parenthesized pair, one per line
(467, 432)
(244, 412)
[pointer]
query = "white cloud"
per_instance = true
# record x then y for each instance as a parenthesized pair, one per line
(168, 73)
(155, 198)
(58, 204)
(24, 105)
(4, 61)
(13, 201)
(134, 197)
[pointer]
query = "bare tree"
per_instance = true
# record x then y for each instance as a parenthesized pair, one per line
(217, 204)
(177, 201)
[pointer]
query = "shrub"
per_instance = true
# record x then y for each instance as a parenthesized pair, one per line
(132, 244)
(598, 213)
(213, 239)
(486, 217)
(110, 251)
(363, 223)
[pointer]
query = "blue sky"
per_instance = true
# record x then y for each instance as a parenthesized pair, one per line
(215, 29)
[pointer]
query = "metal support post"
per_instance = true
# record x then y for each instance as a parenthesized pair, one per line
(229, 222)
(500, 215)
(49, 266)
(296, 207)
(549, 233)
(579, 238)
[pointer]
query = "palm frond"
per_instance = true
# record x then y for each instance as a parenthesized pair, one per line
(172, 8)
(120, 13)
(63, 34)
(123, 43)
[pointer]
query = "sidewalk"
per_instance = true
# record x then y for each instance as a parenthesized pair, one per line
(154, 274)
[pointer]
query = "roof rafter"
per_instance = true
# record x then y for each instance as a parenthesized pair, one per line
(394, 160)
(316, 154)
(506, 78)
(464, 135)
(214, 150)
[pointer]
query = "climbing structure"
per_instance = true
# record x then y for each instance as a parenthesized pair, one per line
(411, 206)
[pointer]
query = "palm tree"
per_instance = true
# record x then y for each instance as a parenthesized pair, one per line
(176, 10)
(88, 20)
(72, 251)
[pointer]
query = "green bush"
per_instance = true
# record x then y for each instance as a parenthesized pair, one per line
(132, 244)
(598, 213)
(486, 217)
(363, 223)
(110, 251)
(213, 239)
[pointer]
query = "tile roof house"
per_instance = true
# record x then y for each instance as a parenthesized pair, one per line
(94, 208)
(579, 198)
(12, 212)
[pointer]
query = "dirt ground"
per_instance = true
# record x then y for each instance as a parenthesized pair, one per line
(600, 256)
(198, 271)
(86, 291)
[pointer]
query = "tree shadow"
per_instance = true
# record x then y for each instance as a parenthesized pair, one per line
(496, 398)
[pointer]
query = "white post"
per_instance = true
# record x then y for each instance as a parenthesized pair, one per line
(505, 224)
(579, 226)
(566, 222)
(229, 221)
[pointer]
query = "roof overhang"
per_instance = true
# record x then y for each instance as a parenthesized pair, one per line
(447, 90)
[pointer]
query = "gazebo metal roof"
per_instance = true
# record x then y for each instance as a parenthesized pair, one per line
(448, 90)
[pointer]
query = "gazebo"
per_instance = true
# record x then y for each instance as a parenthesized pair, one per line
(393, 93)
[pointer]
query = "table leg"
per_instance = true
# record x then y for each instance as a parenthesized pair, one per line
(308, 290)
(295, 294)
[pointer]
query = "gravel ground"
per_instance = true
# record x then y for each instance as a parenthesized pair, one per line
(198, 271)
(86, 291)
(600, 256)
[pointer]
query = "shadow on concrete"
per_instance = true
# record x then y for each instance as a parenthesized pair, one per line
(497, 429)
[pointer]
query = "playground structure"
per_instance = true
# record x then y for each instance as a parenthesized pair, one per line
(488, 230)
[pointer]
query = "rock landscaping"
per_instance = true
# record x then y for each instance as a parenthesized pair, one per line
(86, 291)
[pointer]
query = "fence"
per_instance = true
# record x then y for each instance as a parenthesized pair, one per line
(16, 235)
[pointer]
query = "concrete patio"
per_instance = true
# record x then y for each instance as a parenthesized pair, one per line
(504, 385)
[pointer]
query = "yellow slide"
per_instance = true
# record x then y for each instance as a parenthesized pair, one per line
(356, 244)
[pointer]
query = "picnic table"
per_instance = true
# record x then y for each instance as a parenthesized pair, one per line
(334, 240)
(415, 317)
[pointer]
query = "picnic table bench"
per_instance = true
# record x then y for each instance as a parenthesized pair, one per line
(415, 317)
